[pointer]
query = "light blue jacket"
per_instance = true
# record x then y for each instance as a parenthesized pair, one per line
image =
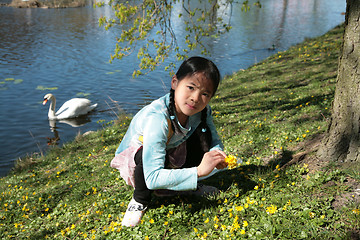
(151, 123)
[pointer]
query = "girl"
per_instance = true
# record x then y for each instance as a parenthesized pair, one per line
(172, 143)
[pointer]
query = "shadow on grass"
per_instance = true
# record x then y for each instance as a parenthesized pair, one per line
(222, 180)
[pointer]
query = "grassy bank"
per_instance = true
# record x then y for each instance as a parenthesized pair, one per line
(271, 115)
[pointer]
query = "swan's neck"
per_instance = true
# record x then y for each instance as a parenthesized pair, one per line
(51, 113)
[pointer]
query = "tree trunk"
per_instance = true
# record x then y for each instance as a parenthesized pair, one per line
(342, 141)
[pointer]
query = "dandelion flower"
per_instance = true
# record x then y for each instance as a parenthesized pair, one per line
(231, 161)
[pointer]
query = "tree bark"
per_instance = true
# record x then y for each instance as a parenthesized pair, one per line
(342, 140)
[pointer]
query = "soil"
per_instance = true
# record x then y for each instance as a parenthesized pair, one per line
(306, 154)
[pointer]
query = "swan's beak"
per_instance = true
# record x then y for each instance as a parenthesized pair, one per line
(45, 101)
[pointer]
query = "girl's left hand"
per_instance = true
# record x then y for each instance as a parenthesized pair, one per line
(222, 164)
(212, 159)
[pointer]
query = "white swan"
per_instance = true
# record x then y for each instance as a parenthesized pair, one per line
(70, 109)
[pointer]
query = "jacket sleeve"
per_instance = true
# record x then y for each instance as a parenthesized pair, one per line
(154, 152)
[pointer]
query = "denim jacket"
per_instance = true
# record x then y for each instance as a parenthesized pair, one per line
(149, 128)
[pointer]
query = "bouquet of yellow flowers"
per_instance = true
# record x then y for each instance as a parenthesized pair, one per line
(231, 161)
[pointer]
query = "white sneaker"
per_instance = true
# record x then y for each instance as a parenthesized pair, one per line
(133, 214)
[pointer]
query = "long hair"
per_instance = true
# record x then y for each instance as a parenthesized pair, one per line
(189, 67)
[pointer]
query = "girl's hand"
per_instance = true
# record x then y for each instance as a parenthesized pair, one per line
(212, 159)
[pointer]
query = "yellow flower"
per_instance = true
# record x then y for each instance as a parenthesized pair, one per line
(223, 227)
(231, 161)
(245, 224)
(151, 221)
(239, 208)
(256, 187)
(207, 220)
(271, 210)
(242, 231)
(356, 211)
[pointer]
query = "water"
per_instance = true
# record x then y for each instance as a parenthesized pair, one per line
(63, 51)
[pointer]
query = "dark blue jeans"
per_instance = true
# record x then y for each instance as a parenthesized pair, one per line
(194, 155)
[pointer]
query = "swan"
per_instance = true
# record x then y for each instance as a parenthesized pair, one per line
(70, 109)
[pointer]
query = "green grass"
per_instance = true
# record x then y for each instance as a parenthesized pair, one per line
(266, 115)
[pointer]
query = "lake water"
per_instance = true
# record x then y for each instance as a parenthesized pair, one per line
(63, 51)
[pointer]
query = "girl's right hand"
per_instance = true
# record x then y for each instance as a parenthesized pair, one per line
(212, 159)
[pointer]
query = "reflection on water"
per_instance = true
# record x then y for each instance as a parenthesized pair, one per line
(73, 122)
(64, 50)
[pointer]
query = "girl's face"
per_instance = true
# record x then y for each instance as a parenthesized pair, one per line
(192, 94)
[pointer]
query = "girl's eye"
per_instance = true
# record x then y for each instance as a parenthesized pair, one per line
(191, 87)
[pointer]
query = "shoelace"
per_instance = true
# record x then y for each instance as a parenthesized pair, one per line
(136, 207)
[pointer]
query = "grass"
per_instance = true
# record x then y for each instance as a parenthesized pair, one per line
(270, 115)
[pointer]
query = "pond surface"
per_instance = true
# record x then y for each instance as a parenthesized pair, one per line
(65, 52)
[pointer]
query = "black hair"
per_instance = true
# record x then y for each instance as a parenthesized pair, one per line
(189, 67)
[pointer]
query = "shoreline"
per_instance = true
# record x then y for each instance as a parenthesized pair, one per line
(44, 4)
